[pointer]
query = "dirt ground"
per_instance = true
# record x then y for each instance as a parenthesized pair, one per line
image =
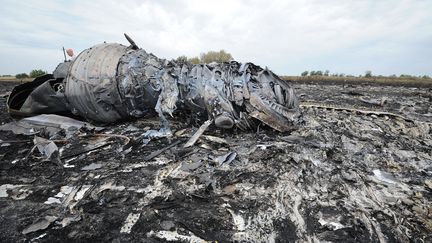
(341, 177)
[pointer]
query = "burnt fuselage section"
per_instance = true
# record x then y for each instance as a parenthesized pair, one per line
(112, 82)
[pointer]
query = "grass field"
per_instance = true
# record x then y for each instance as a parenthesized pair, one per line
(396, 81)
(13, 79)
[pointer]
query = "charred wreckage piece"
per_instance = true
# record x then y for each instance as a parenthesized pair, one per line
(111, 82)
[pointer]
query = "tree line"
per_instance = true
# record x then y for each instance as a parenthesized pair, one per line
(368, 74)
(33, 74)
(223, 56)
(208, 57)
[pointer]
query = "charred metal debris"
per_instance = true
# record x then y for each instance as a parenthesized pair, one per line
(359, 174)
(108, 83)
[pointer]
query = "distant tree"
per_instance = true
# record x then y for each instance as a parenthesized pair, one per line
(426, 77)
(326, 73)
(21, 75)
(368, 74)
(7, 75)
(319, 73)
(393, 76)
(341, 75)
(182, 59)
(194, 60)
(214, 56)
(37, 72)
(407, 76)
(305, 73)
(312, 73)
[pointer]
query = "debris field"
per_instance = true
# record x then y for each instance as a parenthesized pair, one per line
(358, 170)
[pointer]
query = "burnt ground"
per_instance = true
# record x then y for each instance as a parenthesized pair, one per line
(342, 177)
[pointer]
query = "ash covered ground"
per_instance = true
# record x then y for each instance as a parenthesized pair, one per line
(342, 177)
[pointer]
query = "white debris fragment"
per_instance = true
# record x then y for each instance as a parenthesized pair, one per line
(66, 165)
(66, 162)
(64, 190)
(52, 200)
(130, 221)
(239, 221)
(5, 187)
(174, 236)
(68, 220)
(262, 146)
(4, 144)
(39, 237)
(45, 146)
(331, 224)
(80, 194)
(92, 166)
(109, 186)
(40, 225)
(226, 158)
(384, 176)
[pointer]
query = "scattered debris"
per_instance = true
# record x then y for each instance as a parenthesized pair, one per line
(40, 224)
(136, 84)
(92, 166)
(68, 220)
(52, 124)
(198, 133)
(428, 183)
(333, 225)
(342, 176)
(214, 139)
(46, 147)
(239, 221)
(52, 200)
(384, 176)
(226, 158)
(158, 152)
(5, 187)
(175, 236)
(130, 221)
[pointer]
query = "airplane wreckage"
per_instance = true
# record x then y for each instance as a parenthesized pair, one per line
(341, 174)
(112, 82)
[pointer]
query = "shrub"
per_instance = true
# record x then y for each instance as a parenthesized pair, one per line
(213, 56)
(368, 74)
(21, 75)
(182, 59)
(36, 73)
(194, 60)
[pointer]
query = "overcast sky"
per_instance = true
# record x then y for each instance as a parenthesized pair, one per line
(288, 36)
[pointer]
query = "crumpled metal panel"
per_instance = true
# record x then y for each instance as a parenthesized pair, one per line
(91, 87)
(37, 97)
(112, 82)
(138, 82)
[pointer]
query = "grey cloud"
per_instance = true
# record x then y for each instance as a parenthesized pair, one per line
(287, 36)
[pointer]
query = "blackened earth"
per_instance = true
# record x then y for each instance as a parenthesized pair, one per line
(341, 177)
